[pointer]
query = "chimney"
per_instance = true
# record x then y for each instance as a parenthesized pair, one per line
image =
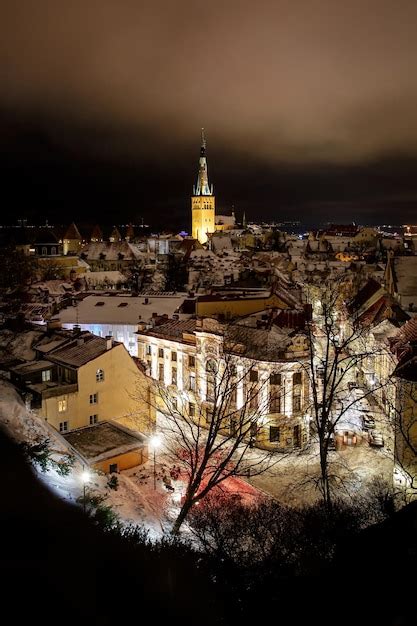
(109, 342)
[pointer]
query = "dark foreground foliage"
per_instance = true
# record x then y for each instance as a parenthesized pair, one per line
(267, 563)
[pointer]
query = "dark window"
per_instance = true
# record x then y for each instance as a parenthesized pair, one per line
(99, 304)
(113, 468)
(93, 419)
(63, 427)
(161, 353)
(297, 378)
(99, 375)
(274, 433)
(192, 382)
(173, 356)
(253, 376)
(174, 376)
(123, 304)
(148, 349)
(274, 402)
(161, 372)
(93, 398)
(191, 361)
(191, 409)
(275, 379)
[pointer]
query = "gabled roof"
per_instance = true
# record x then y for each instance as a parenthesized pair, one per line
(370, 289)
(83, 349)
(96, 233)
(72, 232)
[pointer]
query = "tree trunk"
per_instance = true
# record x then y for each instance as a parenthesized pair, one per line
(185, 509)
(327, 500)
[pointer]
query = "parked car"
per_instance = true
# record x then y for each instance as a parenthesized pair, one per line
(368, 422)
(376, 439)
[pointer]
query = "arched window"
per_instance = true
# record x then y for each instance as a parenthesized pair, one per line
(44, 251)
(99, 376)
(53, 250)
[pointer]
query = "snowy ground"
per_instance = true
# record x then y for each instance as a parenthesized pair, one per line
(137, 501)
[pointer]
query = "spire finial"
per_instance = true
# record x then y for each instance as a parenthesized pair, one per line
(203, 140)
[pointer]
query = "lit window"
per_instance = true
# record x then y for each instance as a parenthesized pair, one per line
(46, 375)
(62, 406)
(63, 427)
(93, 419)
(93, 398)
(99, 376)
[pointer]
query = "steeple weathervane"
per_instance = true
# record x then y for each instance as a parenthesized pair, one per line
(203, 143)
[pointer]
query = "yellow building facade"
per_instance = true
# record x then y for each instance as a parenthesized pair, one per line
(108, 387)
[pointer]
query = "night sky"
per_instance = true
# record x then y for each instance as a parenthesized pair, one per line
(309, 109)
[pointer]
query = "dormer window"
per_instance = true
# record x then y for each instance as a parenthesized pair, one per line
(99, 376)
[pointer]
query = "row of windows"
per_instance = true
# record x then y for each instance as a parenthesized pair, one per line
(274, 431)
(211, 367)
(64, 426)
(191, 359)
(275, 380)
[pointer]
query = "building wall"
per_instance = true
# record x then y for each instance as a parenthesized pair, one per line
(293, 421)
(124, 333)
(71, 246)
(238, 307)
(123, 461)
(122, 396)
(203, 217)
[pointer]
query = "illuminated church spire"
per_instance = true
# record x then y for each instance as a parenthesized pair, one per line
(202, 201)
(202, 188)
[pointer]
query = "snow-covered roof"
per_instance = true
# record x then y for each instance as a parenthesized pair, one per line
(117, 309)
(94, 278)
(83, 349)
(103, 440)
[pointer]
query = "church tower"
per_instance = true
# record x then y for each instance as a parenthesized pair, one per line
(202, 200)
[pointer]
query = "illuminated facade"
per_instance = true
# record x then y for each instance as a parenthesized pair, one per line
(178, 354)
(203, 200)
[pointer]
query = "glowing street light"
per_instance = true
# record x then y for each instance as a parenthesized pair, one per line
(85, 478)
(155, 442)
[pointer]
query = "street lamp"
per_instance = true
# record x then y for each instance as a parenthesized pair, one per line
(85, 477)
(154, 442)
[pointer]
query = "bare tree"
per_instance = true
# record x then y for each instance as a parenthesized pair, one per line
(340, 355)
(212, 437)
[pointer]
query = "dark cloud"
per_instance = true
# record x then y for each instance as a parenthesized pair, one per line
(303, 101)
